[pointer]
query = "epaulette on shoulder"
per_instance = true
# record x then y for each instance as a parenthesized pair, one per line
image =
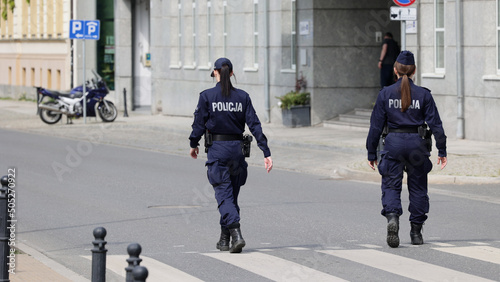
(426, 89)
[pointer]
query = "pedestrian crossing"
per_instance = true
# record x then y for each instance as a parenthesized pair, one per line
(284, 264)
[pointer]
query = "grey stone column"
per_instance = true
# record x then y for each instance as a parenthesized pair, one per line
(123, 53)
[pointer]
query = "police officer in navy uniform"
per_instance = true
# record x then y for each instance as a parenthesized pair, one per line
(224, 111)
(404, 108)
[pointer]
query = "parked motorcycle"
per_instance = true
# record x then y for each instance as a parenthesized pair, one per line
(70, 103)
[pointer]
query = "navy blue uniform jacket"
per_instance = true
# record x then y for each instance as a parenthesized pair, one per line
(388, 109)
(226, 115)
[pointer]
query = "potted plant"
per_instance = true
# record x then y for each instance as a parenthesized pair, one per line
(295, 106)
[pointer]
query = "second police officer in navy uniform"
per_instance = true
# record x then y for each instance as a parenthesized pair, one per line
(223, 111)
(404, 108)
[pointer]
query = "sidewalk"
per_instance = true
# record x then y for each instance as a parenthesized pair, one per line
(326, 152)
(329, 152)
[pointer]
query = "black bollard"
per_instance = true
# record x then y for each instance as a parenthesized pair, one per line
(125, 113)
(4, 232)
(99, 255)
(133, 250)
(140, 273)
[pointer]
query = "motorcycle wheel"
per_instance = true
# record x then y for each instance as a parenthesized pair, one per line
(108, 116)
(48, 116)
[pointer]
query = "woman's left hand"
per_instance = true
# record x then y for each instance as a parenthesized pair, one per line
(372, 164)
(194, 152)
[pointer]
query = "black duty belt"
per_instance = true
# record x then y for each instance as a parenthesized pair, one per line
(404, 130)
(227, 137)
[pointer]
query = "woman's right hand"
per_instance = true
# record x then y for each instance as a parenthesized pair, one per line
(268, 164)
(443, 161)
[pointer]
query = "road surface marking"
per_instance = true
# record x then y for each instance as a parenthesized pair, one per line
(298, 249)
(479, 243)
(157, 270)
(403, 266)
(370, 246)
(272, 267)
(484, 253)
(442, 244)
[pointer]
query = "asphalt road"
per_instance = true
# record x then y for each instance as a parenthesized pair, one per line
(304, 227)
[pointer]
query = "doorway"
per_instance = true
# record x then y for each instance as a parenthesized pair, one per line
(141, 58)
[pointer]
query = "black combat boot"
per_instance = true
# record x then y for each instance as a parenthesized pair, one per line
(416, 234)
(392, 230)
(223, 243)
(237, 242)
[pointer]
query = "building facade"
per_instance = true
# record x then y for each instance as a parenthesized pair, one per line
(161, 53)
(35, 49)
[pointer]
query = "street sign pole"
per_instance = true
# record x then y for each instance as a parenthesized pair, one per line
(84, 87)
(403, 14)
(80, 29)
(403, 35)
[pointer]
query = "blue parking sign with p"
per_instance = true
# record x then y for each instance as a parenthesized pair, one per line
(79, 29)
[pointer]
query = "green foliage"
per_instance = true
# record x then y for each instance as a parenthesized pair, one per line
(11, 5)
(294, 98)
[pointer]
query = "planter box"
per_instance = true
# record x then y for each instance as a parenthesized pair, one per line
(297, 116)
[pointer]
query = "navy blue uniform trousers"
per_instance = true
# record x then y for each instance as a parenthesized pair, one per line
(227, 172)
(405, 152)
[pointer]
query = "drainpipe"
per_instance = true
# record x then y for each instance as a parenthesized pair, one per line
(267, 86)
(460, 70)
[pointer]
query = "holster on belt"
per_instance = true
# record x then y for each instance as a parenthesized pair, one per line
(426, 133)
(208, 140)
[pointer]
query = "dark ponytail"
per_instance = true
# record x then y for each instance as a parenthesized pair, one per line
(225, 80)
(405, 71)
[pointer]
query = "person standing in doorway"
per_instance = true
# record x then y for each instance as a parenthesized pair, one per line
(221, 115)
(388, 55)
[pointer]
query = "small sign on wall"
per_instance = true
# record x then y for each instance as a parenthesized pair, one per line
(147, 60)
(304, 27)
(411, 27)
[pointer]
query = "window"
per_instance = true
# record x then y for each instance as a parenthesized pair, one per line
(255, 33)
(289, 36)
(293, 42)
(49, 78)
(23, 78)
(33, 23)
(225, 26)
(498, 37)
(193, 42)
(439, 30)
(59, 18)
(32, 76)
(209, 32)
(25, 19)
(50, 18)
(58, 79)
(177, 46)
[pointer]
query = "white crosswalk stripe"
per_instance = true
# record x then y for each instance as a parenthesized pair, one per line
(264, 263)
(157, 270)
(272, 267)
(484, 253)
(403, 266)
